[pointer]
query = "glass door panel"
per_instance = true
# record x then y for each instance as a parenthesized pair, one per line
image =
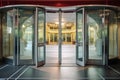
(96, 32)
(94, 35)
(41, 38)
(80, 38)
(113, 33)
(68, 37)
(52, 37)
(7, 35)
(26, 23)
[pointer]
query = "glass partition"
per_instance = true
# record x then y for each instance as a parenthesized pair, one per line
(18, 30)
(95, 34)
(41, 38)
(25, 35)
(7, 34)
(114, 39)
(113, 33)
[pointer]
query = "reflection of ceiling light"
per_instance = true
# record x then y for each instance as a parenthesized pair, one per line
(23, 26)
(104, 14)
(56, 22)
(63, 20)
(63, 23)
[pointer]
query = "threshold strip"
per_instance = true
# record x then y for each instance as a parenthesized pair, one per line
(22, 73)
(16, 72)
(4, 66)
(114, 70)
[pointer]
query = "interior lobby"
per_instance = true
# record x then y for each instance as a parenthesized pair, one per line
(59, 40)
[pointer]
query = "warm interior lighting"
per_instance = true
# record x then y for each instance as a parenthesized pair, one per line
(68, 32)
(63, 23)
(56, 22)
(23, 26)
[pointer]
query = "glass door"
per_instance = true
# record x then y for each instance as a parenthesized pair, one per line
(113, 37)
(95, 36)
(80, 38)
(25, 36)
(40, 37)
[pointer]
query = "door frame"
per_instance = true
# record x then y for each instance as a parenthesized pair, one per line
(18, 39)
(42, 44)
(82, 61)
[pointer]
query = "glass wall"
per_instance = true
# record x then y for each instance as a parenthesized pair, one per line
(95, 38)
(25, 26)
(113, 33)
(18, 34)
(7, 34)
(97, 33)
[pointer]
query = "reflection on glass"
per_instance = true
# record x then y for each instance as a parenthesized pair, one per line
(26, 34)
(40, 27)
(40, 53)
(80, 36)
(94, 21)
(80, 56)
(7, 28)
(113, 35)
(41, 35)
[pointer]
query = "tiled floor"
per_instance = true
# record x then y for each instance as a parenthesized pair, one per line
(53, 71)
(9, 72)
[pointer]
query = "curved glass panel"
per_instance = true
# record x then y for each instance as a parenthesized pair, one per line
(26, 24)
(95, 25)
(8, 37)
(97, 33)
(112, 23)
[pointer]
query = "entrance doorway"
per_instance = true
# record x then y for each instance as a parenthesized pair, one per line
(39, 35)
(60, 37)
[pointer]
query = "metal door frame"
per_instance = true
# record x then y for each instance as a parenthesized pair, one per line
(81, 63)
